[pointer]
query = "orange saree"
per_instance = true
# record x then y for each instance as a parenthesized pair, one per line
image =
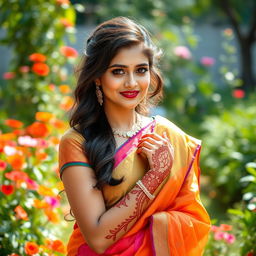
(176, 222)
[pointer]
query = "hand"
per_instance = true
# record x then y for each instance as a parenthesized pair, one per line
(158, 151)
(160, 154)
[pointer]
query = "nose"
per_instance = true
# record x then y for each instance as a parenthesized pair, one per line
(131, 81)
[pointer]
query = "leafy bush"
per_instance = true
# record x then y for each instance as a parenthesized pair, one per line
(229, 143)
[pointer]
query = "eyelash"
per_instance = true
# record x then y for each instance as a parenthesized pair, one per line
(120, 71)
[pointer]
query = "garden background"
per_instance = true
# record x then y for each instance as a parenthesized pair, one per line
(209, 70)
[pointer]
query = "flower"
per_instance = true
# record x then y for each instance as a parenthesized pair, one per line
(238, 93)
(67, 103)
(31, 248)
(13, 123)
(16, 175)
(27, 141)
(9, 75)
(228, 32)
(40, 69)
(38, 129)
(66, 22)
(16, 161)
(45, 191)
(7, 189)
(37, 57)
(64, 88)
(21, 213)
(218, 235)
(40, 204)
(58, 246)
(51, 215)
(3, 165)
(183, 52)
(207, 61)
(24, 69)
(44, 116)
(52, 201)
(31, 184)
(225, 227)
(60, 2)
(229, 238)
(68, 52)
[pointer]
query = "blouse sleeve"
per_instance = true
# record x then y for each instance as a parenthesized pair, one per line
(71, 151)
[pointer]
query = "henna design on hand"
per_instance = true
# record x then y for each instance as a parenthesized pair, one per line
(140, 199)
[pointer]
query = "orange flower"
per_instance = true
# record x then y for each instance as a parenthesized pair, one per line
(40, 204)
(66, 22)
(60, 186)
(16, 175)
(51, 215)
(40, 69)
(62, 2)
(3, 165)
(7, 189)
(14, 254)
(68, 52)
(21, 213)
(225, 227)
(41, 155)
(55, 140)
(44, 191)
(43, 116)
(13, 123)
(59, 124)
(58, 246)
(37, 57)
(7, 136)
(31, 248)
(38, 129)
(67, 103)
(64, 88)
(16, 161)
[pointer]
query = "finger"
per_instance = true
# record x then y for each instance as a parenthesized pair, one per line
(147, 145)
(152, 135)
(150, 140)
(146, 151)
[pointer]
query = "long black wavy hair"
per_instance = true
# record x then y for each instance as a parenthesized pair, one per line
(87, 116)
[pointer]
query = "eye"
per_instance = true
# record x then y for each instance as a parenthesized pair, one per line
(118, 71)
(142, 70)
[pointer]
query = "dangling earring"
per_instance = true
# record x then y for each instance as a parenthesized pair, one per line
(99, 95)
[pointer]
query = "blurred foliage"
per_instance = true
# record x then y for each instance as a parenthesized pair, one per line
(34, 27)
(229, 143)
(245, 215)
(29, 187)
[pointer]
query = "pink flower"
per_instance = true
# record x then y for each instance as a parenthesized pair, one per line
(27, 141)
(3, 165)
(207, 61)
(214, 228)
(182, 52)
(53, 201)
(8, 75)
(238, 93)
(218, 235)
(31, 184)
(229, 238)
(24, 69)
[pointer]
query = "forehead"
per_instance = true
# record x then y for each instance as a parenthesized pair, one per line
(132, 55)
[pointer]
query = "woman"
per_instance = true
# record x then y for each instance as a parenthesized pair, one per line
(131, 180)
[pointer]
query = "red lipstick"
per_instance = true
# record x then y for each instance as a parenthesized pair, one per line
(129, 94)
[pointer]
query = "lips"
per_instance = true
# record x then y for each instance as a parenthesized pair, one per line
(129, 94)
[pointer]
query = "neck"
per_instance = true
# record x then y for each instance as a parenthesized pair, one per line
(122, 119)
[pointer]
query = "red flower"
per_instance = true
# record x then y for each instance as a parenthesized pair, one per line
(3, 165)
(13, 123)
(238, 93)
(31, 248)
(68, 52)
(38, 129)
(7, 189)
(40, 69)
(37, 57)
(8, 75)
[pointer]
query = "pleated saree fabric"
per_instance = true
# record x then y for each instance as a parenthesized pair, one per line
(176, 223)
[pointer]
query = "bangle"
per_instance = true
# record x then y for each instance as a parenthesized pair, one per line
(144, 189)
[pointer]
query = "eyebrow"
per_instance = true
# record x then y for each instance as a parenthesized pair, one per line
(125, 66)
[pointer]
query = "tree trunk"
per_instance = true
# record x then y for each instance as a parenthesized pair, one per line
(246, 64)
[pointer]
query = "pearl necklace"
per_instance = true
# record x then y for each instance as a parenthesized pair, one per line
(127, 134)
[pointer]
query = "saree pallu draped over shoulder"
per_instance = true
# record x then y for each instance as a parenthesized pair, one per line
(176, 222)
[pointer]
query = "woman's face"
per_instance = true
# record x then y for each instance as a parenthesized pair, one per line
(125, 83)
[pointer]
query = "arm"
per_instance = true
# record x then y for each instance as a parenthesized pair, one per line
(101, 227)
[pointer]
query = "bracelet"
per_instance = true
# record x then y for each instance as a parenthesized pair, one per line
(144, 189)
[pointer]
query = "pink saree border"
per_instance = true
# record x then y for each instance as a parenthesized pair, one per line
(123, 151)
